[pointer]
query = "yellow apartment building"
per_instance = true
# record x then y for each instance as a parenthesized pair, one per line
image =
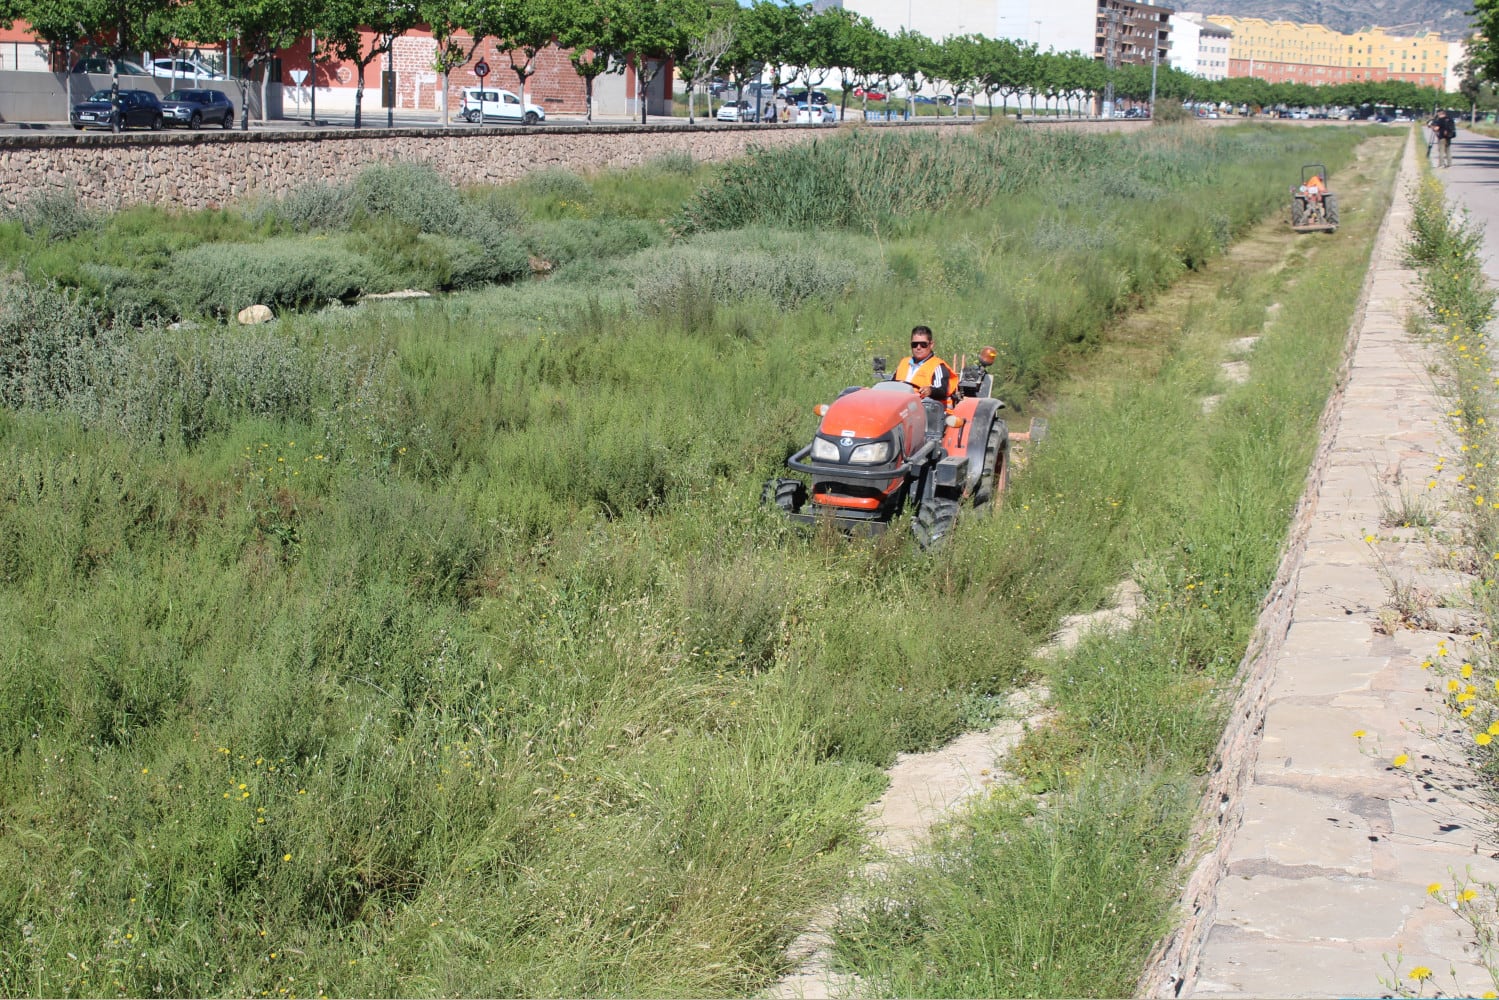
(1288, 52)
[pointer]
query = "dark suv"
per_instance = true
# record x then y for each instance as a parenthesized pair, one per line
(818, 97)
(196, 108)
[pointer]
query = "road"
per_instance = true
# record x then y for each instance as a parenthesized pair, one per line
(1473, 184)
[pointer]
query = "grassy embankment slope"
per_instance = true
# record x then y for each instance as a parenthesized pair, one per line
(442, 647)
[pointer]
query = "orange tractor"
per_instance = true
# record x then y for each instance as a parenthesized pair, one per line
(1314, 208)
(882, 448)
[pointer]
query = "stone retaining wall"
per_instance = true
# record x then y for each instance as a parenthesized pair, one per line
(211, 169)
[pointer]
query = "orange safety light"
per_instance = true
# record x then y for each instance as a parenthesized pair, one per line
(987, 356)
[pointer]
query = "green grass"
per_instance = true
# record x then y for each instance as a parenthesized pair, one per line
(474, 597)
(1065, 895)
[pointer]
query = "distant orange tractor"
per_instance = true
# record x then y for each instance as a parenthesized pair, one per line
(880, 449)
(1314, 208)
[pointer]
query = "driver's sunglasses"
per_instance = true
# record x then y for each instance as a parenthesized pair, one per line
(921, 343)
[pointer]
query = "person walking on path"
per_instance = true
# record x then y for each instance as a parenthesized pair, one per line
(1444, 130)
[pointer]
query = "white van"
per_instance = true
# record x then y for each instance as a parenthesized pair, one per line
(488, 103)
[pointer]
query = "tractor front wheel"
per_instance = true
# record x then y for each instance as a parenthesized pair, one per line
(934, 520)
(787, 494)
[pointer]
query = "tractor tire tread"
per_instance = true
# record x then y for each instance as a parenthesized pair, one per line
(934, 520)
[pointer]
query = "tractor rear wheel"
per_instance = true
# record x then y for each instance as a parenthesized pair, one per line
(787, 494)
(1330, 208)
(1298, 211)
(934, 520)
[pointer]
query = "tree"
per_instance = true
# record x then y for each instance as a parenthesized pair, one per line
(907, 55)
(260, 28)
(1483, 50)
(526, 26)
(341, 26)
(765, 30)
(644, 31)
(441, 17)
(852, 47)
(808, 50)
(119, 26)
(710, 34)
(589, 35)
(59, 23)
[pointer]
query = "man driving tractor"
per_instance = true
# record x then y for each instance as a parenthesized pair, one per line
(929, 374)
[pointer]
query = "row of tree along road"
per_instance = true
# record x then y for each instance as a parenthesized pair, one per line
(704, 39)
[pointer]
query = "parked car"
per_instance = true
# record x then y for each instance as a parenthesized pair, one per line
(818, 97)
(195, 108)
(187, 69)
(131, 107)
(1140, 113)
(480, 105)
(737, 111)
(105, 67)
(921, 99)
(816, 114)
(868, 95)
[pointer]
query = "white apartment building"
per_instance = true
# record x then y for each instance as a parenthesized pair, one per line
(1199, 46)
(1061, 25)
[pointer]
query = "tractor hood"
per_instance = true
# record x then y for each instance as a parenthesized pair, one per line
(865, 414)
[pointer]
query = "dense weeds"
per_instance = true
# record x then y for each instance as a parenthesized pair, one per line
(443, 646)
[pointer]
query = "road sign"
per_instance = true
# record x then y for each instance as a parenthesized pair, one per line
(298, 75)
(481, 69)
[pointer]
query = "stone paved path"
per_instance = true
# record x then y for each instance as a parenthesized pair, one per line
(1316, 877)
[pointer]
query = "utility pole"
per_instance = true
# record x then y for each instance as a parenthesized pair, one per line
(1155, 61)
(1110, 55)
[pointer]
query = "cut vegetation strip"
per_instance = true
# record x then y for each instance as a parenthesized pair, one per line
(1086, 870)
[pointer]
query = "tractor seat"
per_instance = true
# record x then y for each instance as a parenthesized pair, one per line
(936, 419)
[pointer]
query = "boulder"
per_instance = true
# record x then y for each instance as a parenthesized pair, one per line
(251, 315)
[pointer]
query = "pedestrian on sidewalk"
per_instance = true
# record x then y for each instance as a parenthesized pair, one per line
(1444, 130)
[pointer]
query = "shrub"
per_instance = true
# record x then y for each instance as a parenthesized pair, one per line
(223, 278)
(313, 208)
(54, 214)
(1169, 111)
(566, 240)
(411, 193)
(554, 182)
(53, 349)
(702, 274)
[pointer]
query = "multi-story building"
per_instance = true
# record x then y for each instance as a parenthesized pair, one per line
(1198, 46)
(1118, 31)
(1130, 32)
(1289, 52)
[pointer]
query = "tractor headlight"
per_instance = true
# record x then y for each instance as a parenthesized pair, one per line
(877, 453)
(824, 450)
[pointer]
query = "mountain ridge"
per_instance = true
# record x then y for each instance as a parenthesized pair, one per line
(1449, 18)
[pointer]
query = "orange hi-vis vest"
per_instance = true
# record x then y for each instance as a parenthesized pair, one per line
(926, 374)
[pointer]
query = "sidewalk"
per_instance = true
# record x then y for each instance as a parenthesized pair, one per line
(1316, 881)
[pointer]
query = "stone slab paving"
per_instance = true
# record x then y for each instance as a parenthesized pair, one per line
(1318, 869)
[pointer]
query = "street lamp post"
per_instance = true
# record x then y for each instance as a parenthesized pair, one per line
(1155, 61)
(312, 73)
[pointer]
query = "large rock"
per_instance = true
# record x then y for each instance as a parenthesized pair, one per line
(251, 315)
